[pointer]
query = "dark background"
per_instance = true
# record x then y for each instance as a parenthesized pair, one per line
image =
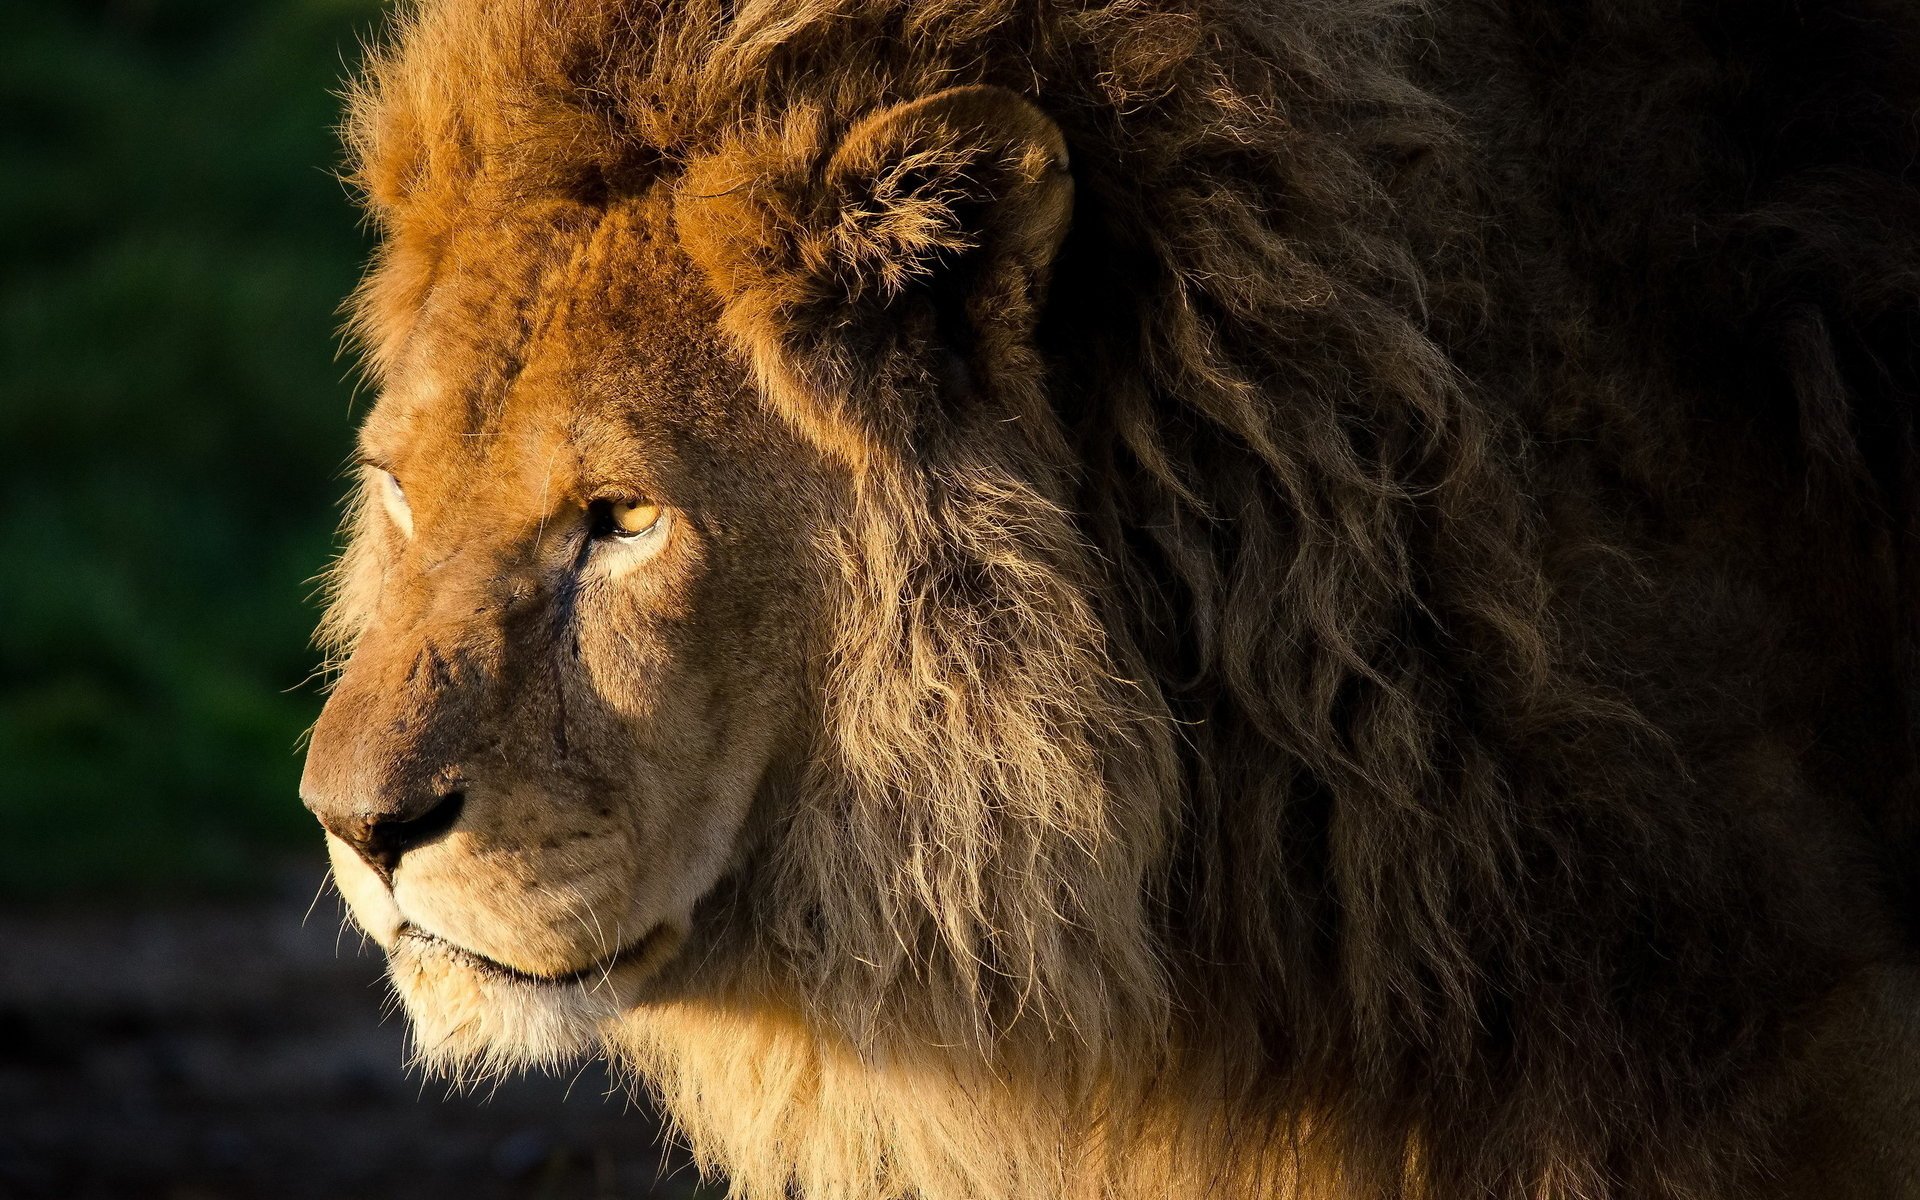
(180, 1012)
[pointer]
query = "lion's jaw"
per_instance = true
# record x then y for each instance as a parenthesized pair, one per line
(470, 1011)
(605, 720)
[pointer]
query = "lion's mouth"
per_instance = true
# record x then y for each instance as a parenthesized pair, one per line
(596, 971)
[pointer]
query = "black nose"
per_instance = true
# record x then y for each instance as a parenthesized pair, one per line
(381, 838)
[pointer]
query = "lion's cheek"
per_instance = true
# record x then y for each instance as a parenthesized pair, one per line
(366, 895)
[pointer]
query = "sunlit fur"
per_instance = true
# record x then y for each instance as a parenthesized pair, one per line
(1387, 673)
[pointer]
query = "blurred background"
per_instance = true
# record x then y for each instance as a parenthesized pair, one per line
(181, 1014)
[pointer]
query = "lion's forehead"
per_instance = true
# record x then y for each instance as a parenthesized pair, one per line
(552, 339)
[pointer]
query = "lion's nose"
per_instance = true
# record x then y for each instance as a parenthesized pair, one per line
(382, 836)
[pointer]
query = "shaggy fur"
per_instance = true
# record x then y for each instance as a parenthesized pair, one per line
(1372, 633)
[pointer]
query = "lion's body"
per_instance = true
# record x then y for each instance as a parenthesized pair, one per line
(1460, 552)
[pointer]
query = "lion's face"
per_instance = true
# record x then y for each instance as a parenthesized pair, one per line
(586, 615)
(715, 542)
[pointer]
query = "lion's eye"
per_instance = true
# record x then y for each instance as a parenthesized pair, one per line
(394, 498)
(623, 519)
(626, 533)
(636, 517)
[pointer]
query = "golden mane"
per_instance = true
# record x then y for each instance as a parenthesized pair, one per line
(1283, 761)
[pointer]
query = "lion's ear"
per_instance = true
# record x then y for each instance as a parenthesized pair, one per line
(970, 171)
(938, 218)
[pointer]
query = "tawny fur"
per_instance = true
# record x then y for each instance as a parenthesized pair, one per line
(1397, 678)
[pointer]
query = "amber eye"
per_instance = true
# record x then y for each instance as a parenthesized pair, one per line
(623, 518)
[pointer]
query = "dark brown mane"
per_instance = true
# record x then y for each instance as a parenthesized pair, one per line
(1488, 444)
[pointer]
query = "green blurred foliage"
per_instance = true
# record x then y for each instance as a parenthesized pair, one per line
(174, 414)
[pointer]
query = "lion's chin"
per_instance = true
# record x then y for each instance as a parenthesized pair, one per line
(473, 1017)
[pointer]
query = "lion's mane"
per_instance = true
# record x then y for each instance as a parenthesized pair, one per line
(1350, 733)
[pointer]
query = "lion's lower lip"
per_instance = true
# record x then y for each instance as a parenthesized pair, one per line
(479, 962)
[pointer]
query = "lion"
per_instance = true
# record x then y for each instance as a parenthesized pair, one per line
(1111, 600)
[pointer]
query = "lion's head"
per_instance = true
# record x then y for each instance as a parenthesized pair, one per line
(712, 600)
